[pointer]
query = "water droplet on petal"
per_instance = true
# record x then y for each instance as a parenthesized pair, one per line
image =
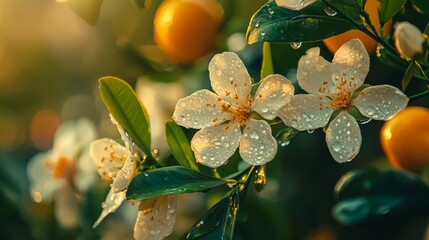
(370, 111)
(257, 24)
(329, 11)
(254, 135)
(310, 130)
(262, 34)
(264, 109)
(295, 45)
(270, 11)
(336, 146)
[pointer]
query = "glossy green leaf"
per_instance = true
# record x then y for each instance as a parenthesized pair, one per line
(127, 109)
(347, 8)
(371, 193)
(275, 24)
(267, 61)
(142, 3)
(408, 75)
(179, 145)
(388, 8)
(219, 221)
(422, 6)
(170, 180)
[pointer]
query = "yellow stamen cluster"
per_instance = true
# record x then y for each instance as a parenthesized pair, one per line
(62, 168)
(342, 94)
(112, 156)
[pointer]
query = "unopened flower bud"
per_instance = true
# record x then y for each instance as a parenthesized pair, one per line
(408, 40)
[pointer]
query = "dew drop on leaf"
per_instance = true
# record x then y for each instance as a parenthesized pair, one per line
(329, 11)
(295, 45)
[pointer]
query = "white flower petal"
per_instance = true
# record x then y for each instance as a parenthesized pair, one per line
(294, 4)
(353, 55)
(200, 109)
(320, 77)
(316, 75)
(381, 102)
(213, 146)
(109, 157)
(274, 92)
(306, 111)
(67, 208)
(85, 132)
(42, 184)
(229, 77)
(66, 143)
(124, 176)
(112, 202)
(156, 218)
(86, 173)
(257, 145)
(343, 137)
(71, 137)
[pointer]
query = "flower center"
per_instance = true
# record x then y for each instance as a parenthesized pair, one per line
(241, 113)
(341, 95)
(62, 168)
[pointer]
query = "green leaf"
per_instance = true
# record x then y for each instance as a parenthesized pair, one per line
(373, 193)
(142, 3)
(267, 61)
(219, 221)
(422, 6)
(169, 180)
(179, 145)
(275, 24)
(388, 8)
(408, 75)
(349, 8)
(128, 111)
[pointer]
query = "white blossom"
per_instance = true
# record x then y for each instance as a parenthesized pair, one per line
(334, 90)
(117, 163)
(408, 40)
(226, 118)
(58, 173)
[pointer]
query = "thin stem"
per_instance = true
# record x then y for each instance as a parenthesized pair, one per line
(414, 97)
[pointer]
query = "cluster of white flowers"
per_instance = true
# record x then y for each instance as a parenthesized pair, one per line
(234, 116)
(156, 216)
(227, 119)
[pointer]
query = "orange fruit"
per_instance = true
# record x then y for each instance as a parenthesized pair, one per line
(187, 29)
(335, 42)
(405, 139)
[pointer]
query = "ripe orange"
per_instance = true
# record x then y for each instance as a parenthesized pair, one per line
(186, 29)
(405, 139)
(335, 42)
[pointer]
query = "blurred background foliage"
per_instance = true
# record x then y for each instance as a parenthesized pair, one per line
(53, 52)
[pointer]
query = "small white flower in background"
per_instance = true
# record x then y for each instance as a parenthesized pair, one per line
(58, 173)
(224, 115)
(408, 40)
(118, 163)
(294, 4)
(159, 98)
(331, 88)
